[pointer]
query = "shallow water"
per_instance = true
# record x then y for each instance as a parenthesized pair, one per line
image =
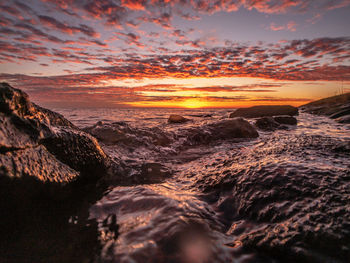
(283, 197)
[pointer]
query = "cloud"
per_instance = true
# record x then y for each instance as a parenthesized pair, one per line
(55, 24)
(290, 26)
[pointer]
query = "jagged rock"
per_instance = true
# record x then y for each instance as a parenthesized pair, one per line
(177, 119)
(31, 144)
(265, 110)
(35, 162)
(78, 150)
(286, 120)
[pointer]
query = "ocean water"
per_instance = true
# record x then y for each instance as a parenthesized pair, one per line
(282, 197)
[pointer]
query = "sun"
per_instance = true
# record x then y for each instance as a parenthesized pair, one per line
(193, 103)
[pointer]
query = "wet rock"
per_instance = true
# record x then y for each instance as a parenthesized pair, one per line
(38, 163)
(49, 171)
(78, 150)
(289, 120)
(154, 172)
(39, 143)
(227, 129)
(265, 110)
(122, 134)
(177, 119)
(298, 209)
(235, 128)
(344, 119)
(108, 134)
(340, 113)
(267, 124)
(336, 107)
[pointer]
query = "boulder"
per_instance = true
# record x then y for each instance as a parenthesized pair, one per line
(38, 143)
(123, 134)
(235, 128)
(265, 110)
(267, 124)
(222, 130)
(286, 120)
(177, 119)
(50, 171)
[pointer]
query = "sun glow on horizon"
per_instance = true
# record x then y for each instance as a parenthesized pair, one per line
(193, 104)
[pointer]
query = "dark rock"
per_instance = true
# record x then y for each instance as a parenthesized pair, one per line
(265, 110)
(32, 145)
(344, 119)
(267, 124)
(222, 130)
(78, 150)
(235, 128)
(35, 162)
(340, 113)
(286, 120)
(177, 119)
(123, 134)
(336, 107)
(279, 202)
(50, 172)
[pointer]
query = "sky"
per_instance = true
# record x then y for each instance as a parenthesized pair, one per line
(175, 53)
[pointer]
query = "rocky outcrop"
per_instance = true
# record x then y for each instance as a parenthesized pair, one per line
(49, 171)
(228, 129)
(177, 119)
(265, 110)
(289, 208)
(336, 107)
(38, 143)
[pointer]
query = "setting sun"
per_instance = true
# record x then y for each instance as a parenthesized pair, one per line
(193, 103)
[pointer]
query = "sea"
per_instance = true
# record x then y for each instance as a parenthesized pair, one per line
(281, 197)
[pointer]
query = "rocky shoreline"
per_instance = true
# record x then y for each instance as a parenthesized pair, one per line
(336, 107)
(51, 172)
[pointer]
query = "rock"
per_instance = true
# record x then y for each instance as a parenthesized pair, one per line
(123, 134)
(38, 143)
(299, 210)
(177, 119)
(222, 130)
(286, 120)
(265, 110)
(108, 134)
(336, 107)
(38, 163)
(78, 150)
(267, 124)
(153, 172)
(344, 119)
(340, 113)
(235, 128)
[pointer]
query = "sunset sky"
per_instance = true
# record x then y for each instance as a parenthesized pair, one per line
(175, 53)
